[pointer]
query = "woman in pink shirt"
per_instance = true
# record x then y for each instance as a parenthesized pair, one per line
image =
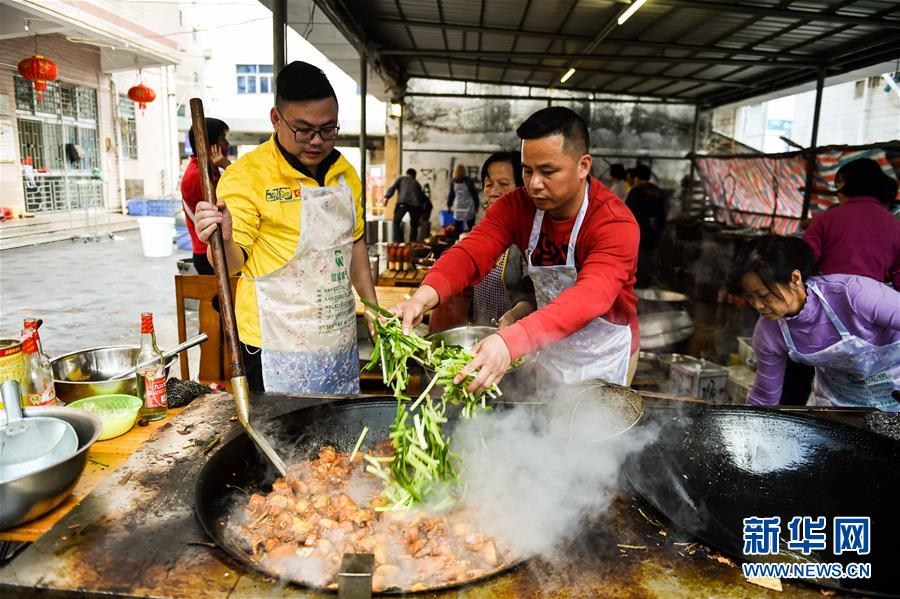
(859, 236)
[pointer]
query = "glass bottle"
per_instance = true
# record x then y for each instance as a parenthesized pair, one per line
(38, 389)
(151, 373)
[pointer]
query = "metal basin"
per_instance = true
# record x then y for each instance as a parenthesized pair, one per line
(26, 498)
(518, 380)
(86, 373)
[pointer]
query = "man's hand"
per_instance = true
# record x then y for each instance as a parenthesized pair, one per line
(370, 323)
(218, 158)
(413, 309)
(492, 360)
(207, 217)
(410, 311)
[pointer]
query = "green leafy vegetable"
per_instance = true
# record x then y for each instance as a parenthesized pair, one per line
(424, 462)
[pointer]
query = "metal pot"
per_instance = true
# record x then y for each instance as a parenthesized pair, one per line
(34, 495)
(519, 378)
(87, 372)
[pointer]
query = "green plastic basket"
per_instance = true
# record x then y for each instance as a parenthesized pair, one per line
(117, 412)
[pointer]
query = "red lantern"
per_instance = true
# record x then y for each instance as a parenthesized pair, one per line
(40, 70)
(141, 94)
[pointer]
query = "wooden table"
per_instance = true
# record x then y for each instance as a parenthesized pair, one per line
(387, 297)
(103, 459)
(401, 278)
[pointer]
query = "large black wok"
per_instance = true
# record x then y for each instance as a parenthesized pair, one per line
(239, 465)
(711, 467)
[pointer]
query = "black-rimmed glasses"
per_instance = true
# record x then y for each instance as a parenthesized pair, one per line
(304, 135)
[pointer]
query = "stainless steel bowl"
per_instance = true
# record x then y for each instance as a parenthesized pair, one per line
(87, 372)
(516, 380)
(35, 494)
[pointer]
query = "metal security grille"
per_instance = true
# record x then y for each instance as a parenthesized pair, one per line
(66, 115)
(128, 126)
(49, 194)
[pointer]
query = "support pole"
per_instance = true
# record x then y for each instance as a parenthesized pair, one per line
(696, 134)
(400, 138)
(811, 151)
(363, 88)
(279, 30)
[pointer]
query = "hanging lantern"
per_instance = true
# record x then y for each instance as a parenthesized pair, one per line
(39, 70)
(141, 94)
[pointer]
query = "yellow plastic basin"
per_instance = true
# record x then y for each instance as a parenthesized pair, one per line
(117, 412)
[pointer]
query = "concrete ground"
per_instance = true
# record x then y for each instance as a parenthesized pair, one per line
(90, 294)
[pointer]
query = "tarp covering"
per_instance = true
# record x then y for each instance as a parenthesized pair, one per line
(765, 191)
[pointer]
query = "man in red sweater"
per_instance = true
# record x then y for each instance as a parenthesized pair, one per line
(580, 243)
(192, 193)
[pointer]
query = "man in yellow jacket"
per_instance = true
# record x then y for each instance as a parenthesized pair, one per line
(293, 224)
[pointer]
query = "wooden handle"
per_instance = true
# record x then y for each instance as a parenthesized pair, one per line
(216, 242)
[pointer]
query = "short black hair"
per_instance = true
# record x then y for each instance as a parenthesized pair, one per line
(514, 160)
(301, 81)
(411, 172)
(214, 130)
(558, 120)
(617, 171)
(774, 259)
(862, 177)
(642, 172)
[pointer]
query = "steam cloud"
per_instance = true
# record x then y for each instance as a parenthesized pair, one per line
(534, 477)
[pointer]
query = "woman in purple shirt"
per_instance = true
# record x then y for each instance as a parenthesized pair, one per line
(847, 327)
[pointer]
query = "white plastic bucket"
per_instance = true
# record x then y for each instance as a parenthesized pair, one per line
(157, 235)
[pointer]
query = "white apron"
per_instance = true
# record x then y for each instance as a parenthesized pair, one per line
(852, 372)
(307, 314)
(599, 350)
(463, 202)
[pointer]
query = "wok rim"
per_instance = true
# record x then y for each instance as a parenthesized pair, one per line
(241, 557)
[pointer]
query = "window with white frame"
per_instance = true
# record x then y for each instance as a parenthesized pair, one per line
(254, 79)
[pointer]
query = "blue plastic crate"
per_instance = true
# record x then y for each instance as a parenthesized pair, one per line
(137, 207)
(153, 207)
(183, 239)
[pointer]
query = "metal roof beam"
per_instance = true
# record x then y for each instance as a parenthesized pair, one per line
(673, 98)
(783, 13)
(552, 69)
(462, 54)
(577, 38)
(344, 21)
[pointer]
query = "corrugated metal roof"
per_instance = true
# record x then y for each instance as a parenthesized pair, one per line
(707, 51)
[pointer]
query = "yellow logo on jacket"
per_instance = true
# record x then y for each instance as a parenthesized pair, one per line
(284, 194)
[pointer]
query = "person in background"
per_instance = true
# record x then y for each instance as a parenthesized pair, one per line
(192, 193)
(462, 200)
(617, 180)
(847, 327)
(292, 225)
(645, 200)
(427, 209)
(410, 200)
(580, 245)
(505, 294)
(859, 236)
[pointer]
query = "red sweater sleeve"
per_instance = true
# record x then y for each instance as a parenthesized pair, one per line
(606, 257)
(472, 259)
